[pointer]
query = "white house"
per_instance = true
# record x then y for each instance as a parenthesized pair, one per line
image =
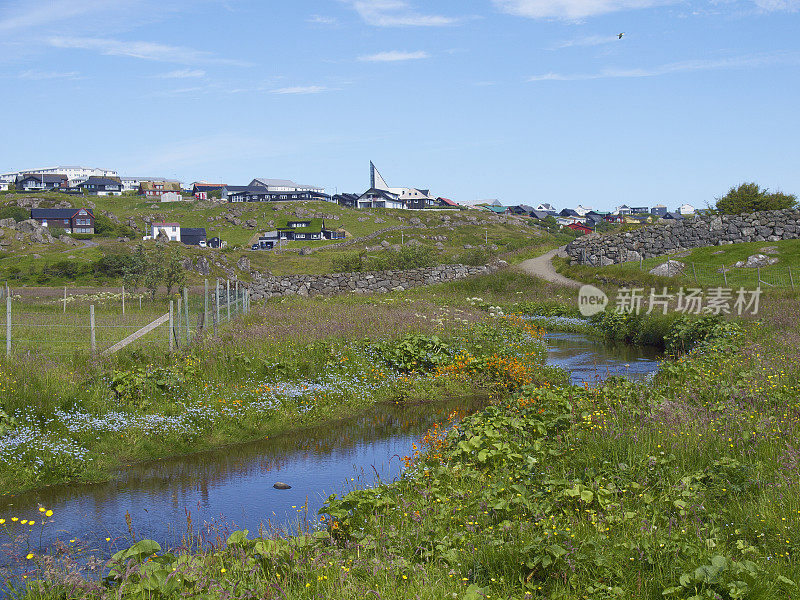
(284, 185)
(686, 209)
(564, 221)
(171, 197)
(74, 174)
(4, 186)
(171, 230)
(130, 184)
(582, 210)
(623, 210)
(546, 207)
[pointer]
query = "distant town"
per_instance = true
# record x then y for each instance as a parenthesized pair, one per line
(89, 181)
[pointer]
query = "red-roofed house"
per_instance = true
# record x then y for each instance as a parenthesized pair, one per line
(446, 202)
(581, 228)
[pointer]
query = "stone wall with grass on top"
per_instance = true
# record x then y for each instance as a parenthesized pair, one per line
(362, 283)
(672, 236)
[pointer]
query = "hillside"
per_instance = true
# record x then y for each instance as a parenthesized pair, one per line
(468, 236)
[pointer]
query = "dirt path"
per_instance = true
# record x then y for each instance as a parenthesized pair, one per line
(542, 267)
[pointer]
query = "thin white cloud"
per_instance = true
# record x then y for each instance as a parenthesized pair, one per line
(323, 20)
(397, 13)
(182, 74)
(778, 5)
(143, 50)
(589, 40)
(46, 75)
(740, 62)
(573, 9)
(302, 89)
(24, 15)
(394, 56)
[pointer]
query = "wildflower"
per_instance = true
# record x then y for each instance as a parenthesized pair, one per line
(223, 570)
(49, 513)
(30, 556)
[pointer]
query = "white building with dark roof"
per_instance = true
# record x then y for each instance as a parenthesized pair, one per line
(284, 185)
(75, 174)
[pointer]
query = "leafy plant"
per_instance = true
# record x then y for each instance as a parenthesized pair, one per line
(415, 352)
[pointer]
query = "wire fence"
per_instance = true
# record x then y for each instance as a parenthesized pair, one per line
(105, 322)
(730, 276)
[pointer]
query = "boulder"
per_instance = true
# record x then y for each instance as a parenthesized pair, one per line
(769, 250)
(756, 260)
(279, 485)
(305, 251)
(68, 240)
(668, 269)
(41, 236)
(11, 223)
(202, 266)
(243, 264)
(28, 226)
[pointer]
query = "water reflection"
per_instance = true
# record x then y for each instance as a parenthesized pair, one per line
(590, 361)
(232, 487)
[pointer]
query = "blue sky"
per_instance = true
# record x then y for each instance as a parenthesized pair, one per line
(526, 101)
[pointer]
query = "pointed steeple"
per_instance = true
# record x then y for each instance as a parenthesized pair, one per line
(375, 180)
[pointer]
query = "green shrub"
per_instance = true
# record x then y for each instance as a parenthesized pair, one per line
(15, 212)
(415, 352)
(350, 262)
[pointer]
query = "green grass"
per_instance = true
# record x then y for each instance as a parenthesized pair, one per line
(704, 266)
(686, 487)
(21, 267)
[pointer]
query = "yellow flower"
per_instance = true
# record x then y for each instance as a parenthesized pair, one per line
(41, 509)
(31, 522)
(30, 556)
(49, 513)
(24, 521)
(2, 521)
(15, 519)
(222, 570)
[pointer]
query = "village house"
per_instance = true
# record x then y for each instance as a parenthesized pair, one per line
(171, 230)
(193, 236)
(71, 220)
(29, 183)
(658, 210)
(154, 189)
(686, 209)
(581, 228)
(100, 186)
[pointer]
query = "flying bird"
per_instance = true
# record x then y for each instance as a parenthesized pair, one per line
(619, 35)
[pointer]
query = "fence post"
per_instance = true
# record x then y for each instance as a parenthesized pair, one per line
(205, 309)
(791, 279)
(216, 310)
(238, 310)
(759, 276)
(725, 275)
(228, 297)
(8, 325)
(171, 324)
(694, 272)
(65, 299)
(92, 337)
(123, 299)
(186, 312)
(178, 314)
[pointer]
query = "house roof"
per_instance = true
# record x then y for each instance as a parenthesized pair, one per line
(386, 194)
(540, 214)
(165, 224)
(672, 215)
(99, 181)
(569, 212)
(193, 232)
(57, 213)
(56, 178)
(167, 185)
(315, 226)
(448, 202)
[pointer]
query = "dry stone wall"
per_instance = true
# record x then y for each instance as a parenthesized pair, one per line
(362, 283)
(672, 236)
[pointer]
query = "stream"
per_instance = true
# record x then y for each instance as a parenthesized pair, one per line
(232, 488)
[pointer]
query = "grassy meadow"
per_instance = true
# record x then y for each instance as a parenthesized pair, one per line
(25, 264)
(681, 487)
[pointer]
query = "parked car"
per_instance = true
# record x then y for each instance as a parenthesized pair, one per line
(255, 247)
